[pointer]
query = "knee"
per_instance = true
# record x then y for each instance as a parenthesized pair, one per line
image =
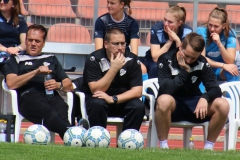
(165, 103)
(222, 106)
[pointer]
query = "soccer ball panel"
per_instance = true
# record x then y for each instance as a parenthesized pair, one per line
(74, 136)
(97, 137)
(130, 139)
(37, 134)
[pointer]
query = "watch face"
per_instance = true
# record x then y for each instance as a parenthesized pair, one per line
(115, 99)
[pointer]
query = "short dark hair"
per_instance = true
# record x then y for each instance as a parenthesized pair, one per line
(195, 41)
(38, 27)
(112, 31)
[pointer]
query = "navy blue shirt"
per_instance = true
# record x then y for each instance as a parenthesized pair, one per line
(128, 26)
(10, 35)
(158, 36)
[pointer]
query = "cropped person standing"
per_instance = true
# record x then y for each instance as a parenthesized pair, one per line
(117, 18)
(179, 98)
(26, 72)
(112, 83)
(220, 45)
(165, 36)
(13, 28)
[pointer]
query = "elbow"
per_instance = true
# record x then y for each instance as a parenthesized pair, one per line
(11, 86)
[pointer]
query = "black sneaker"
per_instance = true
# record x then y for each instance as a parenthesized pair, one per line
(83, 123)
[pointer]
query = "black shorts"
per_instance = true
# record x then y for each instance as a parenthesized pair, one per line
(185, 106)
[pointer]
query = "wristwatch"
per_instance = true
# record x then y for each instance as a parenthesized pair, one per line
(61, 86)
(115, 99)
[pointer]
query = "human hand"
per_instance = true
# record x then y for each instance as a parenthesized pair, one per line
(231, 68)
(43, 70)
(181, 61)
(51, 84)
(103, 95)
(118, 62)
(172, 34)
(201, 108)
(215, 38)
(12, 50)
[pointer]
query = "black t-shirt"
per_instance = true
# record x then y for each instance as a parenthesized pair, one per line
(22, 64)
(176, 81)
(97, 65)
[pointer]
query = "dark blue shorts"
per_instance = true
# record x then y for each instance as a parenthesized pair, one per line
(185, 106)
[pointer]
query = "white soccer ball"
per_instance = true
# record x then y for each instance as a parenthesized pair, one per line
(130, 139)
(97, 137)
(37, 134)
(74, 136)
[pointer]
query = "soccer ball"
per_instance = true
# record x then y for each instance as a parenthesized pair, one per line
(74, 136)
(37, 134)
(97, 136)
(130, 139)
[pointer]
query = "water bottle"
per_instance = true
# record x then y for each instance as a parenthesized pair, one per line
(12, 132)
(191, 144)
(49, 93)
(1, 130)
(237, 63)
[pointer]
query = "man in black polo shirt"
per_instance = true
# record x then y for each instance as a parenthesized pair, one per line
(112, 82)
(179, 98)
(25, 73)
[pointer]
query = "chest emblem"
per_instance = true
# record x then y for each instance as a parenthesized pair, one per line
(194, 78)
(122, 72)
(28, 63)
(46, 63)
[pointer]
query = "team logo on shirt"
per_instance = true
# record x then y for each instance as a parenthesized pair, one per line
(96, 33)
(138, 62)
(152, 31)
(207, 64)
(28, 63)
(122, 72)
(160, 65)
(194, 78)
(92, 58)
(46, 63)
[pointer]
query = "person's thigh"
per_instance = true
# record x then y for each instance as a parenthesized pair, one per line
(34, 106)
(184, 111)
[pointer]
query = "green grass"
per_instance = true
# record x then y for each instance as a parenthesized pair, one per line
(19, 151)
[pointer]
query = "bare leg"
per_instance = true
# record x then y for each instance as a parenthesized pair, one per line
(164, 107)
(219, 111)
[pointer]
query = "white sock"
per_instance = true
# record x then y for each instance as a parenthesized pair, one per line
(164, 144)
(209, 145)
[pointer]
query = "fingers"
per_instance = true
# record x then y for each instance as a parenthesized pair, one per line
(201, 113)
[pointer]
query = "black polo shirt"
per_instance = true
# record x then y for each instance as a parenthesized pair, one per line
(97, 65)
(9, 34)
(22, 64)
(176, 81)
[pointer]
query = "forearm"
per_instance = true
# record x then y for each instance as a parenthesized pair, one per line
(2, 48)
(227, 57)
(14, 81)
(159, 52)
(67, 85)
(135, 92)
(104, 83)
(214, 64)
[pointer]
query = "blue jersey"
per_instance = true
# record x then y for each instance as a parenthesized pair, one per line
(128, 26)
(212, 50)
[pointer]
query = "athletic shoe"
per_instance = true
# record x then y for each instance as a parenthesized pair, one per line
(83, 123)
